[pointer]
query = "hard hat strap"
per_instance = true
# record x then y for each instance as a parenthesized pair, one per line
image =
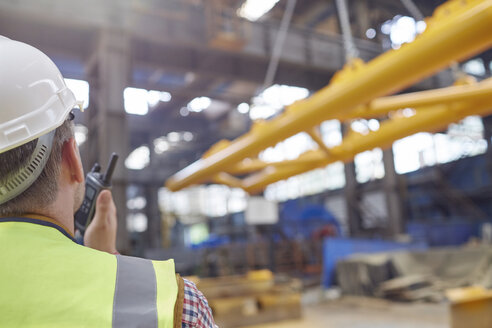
(25, 177)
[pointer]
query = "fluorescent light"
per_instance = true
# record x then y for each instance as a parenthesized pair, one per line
(80, 89)
(165, 96)
(173, 136)
(154, 97)
(254, 9)
(161, 145)
(184, 111)
(187, 136)
(371, 33)
(138, 159)
(199, 104)
(243, 108)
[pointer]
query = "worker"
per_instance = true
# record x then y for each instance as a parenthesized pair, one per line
(46, 278)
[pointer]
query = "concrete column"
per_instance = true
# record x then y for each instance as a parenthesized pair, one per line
(487, 125)
(352, 200)
(109, 74)
(154, 216)
(351, 194)
(394, 202)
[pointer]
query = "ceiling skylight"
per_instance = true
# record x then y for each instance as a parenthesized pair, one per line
(138, 101)
(402, 29)
(253, 9)
(273, 99)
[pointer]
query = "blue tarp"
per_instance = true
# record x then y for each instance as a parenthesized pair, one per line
(452, 233)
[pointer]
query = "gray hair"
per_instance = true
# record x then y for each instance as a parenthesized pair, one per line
(43, 191)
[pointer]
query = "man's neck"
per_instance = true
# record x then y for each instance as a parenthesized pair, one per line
(67, 225)
(60, 211)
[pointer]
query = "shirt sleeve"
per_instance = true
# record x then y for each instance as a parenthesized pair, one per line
(196, 311)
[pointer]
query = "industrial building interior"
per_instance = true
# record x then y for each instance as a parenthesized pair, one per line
(310, 163)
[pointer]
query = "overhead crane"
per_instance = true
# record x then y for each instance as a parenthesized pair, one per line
(457, 30)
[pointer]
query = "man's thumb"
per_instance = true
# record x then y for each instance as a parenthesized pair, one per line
(103, 202)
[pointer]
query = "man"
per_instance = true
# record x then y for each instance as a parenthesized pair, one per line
(46, 279)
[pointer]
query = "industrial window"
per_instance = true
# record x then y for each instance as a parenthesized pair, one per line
(138, 101)
(274, 99)
(462, 139)
(137, 222)
(475, 66)
(329, 178)
(192, 205)
(369, 165)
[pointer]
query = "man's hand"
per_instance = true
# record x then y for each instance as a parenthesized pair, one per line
(101, 232)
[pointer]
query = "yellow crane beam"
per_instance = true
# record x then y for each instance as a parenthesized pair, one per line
(425, 120)
(424, 100)
(457, 30)
(382, 106)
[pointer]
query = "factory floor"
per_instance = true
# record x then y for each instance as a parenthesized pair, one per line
(355, 312)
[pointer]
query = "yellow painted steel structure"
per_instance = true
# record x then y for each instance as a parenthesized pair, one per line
(470, 307)
(457, 30)
(429, 119)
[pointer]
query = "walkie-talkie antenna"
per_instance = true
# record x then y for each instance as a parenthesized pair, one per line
(109, 171)
(96, 168)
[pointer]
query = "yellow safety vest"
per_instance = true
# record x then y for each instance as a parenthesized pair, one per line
(47, 280)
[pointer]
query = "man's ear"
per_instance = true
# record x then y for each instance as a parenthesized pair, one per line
(72, 163)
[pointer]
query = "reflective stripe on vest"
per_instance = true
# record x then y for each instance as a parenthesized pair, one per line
(135, 294)
(47, 280)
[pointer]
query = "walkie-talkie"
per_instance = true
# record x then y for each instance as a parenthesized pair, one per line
(95, 182)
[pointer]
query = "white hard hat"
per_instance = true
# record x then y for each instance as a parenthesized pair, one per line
(34, 98)
(34, 101)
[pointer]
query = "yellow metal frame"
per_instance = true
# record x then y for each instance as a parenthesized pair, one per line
(457, 30)
(470, 307)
